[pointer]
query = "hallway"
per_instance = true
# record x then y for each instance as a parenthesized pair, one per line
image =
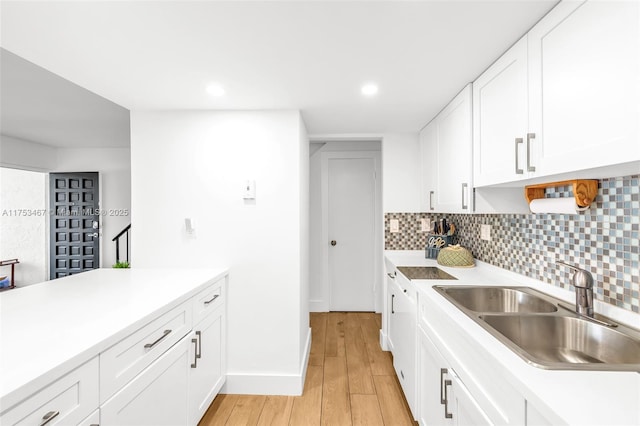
(350, 381)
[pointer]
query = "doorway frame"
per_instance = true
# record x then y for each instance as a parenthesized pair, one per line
(378, 296)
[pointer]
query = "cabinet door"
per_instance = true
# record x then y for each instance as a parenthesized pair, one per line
(432, 373)
(429, 161)
(392, 293)
(454, 145)
(466, 410)
(92, 420)
(157, 396)
(206, 373)
(500, 115)
(583, 73)
(404, 351)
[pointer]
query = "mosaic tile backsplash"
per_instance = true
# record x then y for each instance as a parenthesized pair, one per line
(603, 240)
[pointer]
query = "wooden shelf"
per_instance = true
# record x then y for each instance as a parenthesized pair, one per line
(584, 190)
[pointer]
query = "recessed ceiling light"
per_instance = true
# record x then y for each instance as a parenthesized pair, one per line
(369, 89)
(215, 90)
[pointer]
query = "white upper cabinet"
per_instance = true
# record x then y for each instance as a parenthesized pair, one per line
(500, 116)
(429, 160)
(454, 155)
(565, 98)
(584, 85)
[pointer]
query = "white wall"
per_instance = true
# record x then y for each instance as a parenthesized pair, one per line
(22, 154)
(401, 172)
(194, 164)
(114, 166)
(318, 297)
(305, 331)
(23, 224)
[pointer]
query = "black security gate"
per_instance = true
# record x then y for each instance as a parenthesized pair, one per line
(74, 234)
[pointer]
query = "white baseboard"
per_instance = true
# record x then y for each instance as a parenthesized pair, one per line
(269, 384)
(383, 341)
(318, 306)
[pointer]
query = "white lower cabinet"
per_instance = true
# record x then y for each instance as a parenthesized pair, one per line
(402, 337)
(468, 378)
(443, 397)
(157, 396)
(431, 370)
(465, 410)
(206, 371)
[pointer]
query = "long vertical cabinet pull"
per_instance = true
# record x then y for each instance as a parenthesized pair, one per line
(530, 136)
(447, 414)
(392, 297)
(443, 371)
(464, 189)
(518, 170)
(195, 353)
(431, 193)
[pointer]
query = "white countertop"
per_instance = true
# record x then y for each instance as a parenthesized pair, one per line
(572, 397)
(48, 329)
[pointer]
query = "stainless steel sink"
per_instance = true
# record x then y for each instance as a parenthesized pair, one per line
(555, 341)
(498, 299)
(530, 324)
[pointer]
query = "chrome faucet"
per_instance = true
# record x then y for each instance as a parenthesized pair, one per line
(583, 282)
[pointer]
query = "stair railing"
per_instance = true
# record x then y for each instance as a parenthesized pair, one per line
(124, 232)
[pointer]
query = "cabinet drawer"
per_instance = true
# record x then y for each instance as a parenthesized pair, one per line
(66, 401)
(123, 361)
(208, 300)
(156, 397)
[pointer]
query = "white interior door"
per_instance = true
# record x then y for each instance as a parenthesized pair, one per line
(351, 215)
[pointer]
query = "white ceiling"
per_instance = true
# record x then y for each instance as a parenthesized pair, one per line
(307, 55)
(42, 107)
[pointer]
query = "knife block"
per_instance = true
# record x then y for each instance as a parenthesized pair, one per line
(435, 242)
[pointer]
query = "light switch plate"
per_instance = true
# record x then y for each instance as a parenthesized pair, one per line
(425, 225)
(394, 225)
(485, 232)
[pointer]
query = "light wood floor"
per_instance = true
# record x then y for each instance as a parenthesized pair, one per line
(350, 381)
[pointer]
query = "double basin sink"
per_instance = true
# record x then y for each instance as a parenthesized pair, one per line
(545, 331)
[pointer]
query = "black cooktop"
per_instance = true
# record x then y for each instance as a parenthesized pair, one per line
(425, 273)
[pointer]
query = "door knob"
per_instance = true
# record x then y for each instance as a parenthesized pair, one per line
(333, 242)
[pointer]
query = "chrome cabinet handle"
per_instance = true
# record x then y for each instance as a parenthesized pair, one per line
(94, 235)
(150, 345)
(518, 171)
(48, 417)
(206, 302)
(392, 275)
(447, 414)
(443, 371)
(392, 297)
(431, 194)
(530, 136)
(464, 187)
(194, 364)
(199, 352)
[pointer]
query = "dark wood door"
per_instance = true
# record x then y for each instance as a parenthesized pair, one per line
(74, 234)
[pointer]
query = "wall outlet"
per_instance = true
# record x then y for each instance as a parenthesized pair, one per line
(425, 225)
(394, 225)
(485, 232)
